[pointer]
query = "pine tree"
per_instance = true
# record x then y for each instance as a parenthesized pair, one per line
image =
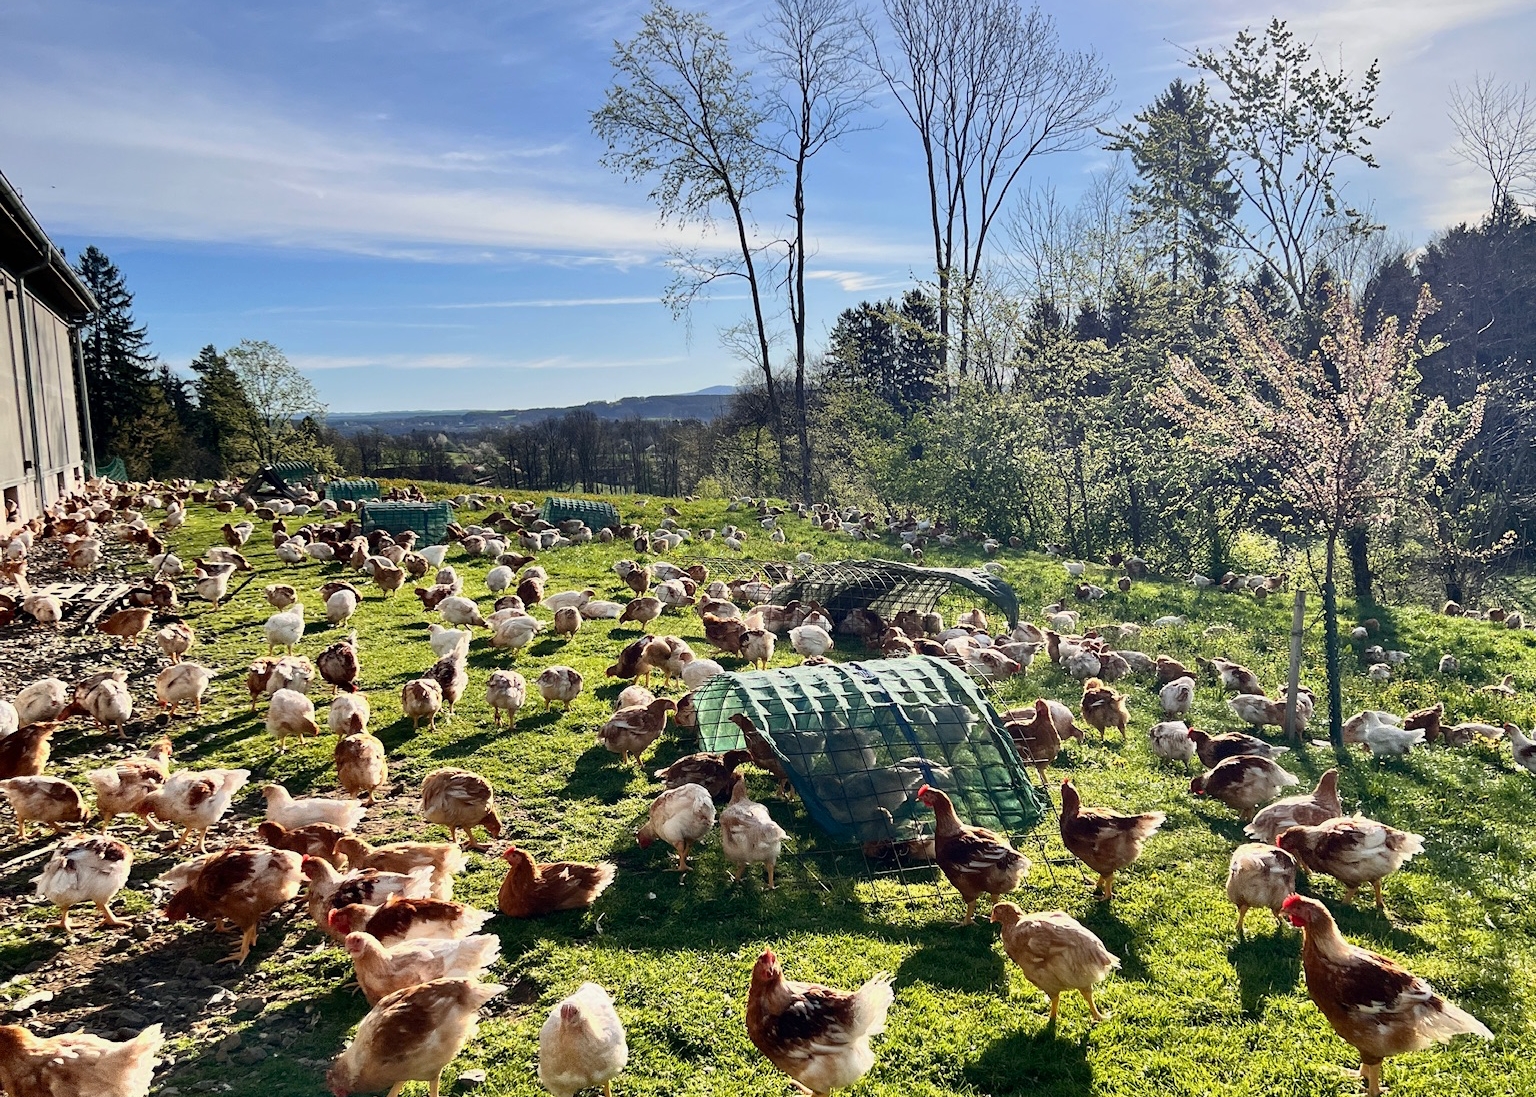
(1185, 193)
(224, 413)
(116, 356)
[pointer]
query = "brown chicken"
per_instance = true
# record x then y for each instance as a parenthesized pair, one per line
(631, 660)
(126, 624)
(1102, 840)
(1317, 807)
(24, 753)
(763, 755)
(1170, 670)
(411, 1035)
(975, 860)
(460, 800)
(1056, 953)
(401, 919)
(329, 890)
(239, 885)
(312, 840)
(48, 800)
(715, 772)
(1353, 850)
(1243, 783)
(1259, 876)
(76, 1064)
(1035, 737)
(1379, 1008)
(530, 890)
(631, 730)
(361, 765)
(338, 665)
(1427, 720)
(816, 1035)
(724, 633)
(1103, 707)
(444, 859)
(1215, 749)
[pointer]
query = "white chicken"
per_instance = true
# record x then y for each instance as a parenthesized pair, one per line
(810, 641)
(382, 971)
(444, 641)
(1178, 696)
(196, 799)
(349, 713)
(86, 870)
(1170, 739)
(458, 610)
(748, 834)
(180, 684)
(291, 713)
(506, 691)
(41, 702)
(695, 672)
(285, 628)
(340, 607)
(582, 1044)
(680, 817)
(292, 813)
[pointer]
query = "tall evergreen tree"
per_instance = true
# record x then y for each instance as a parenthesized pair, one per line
(116, 356)
(1185, 195)
(891, 349)
(224, 413)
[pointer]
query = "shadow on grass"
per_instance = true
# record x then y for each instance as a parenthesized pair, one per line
(1267, 962)
(1038, 1061)
(599, 774)
(956, 957)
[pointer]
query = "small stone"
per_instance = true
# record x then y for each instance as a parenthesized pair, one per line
(141, 932)
(230, 1042)
(251, 1055)
(471, 1079)
(249, 1004)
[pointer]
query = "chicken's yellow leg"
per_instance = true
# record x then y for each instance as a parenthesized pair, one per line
(1093, 1010)
(108, 918)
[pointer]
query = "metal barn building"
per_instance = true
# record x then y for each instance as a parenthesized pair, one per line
(42, 454)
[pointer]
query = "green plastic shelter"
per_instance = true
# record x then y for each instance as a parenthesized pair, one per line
(429, 520)
(355, 490)
(859, 739)
(889, 586)
(596, 515)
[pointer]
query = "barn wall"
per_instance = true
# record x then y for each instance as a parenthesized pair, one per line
(51, 400)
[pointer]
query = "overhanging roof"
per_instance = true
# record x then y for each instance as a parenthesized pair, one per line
(25, 249)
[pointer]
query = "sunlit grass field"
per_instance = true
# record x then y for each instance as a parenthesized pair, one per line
(1194, 1010)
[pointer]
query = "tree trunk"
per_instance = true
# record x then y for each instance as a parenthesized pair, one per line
(1331, 648)
(1357, 542)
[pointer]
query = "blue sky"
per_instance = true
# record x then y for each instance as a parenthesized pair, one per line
(405, 195)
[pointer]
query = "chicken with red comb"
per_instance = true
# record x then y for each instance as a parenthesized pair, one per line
(816, 1035)
(974, 859)
(1371, 1002)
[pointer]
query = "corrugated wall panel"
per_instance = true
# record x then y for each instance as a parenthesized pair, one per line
(14, 431)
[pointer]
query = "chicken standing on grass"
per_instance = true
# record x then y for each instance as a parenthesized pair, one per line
(582, 1044)
(748, 834)
(460, 800)
(680, 817)
(1316, 807)
(1259, 876)
(1372, 1003)
(1103, 840)
(1353, 850)
(1055, 952)
(974, 859)
(86, 870)
(816, 1035)
(382, 971)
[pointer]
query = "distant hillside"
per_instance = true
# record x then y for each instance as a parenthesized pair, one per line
(705, 405)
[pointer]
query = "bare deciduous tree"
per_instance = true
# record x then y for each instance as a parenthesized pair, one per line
(1495, 124)
(812, 48)
(989, 88)
(682, 114)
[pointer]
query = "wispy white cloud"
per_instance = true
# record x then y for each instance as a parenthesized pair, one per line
(312, 363)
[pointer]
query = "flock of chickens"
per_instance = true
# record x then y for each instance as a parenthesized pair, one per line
(419, 955)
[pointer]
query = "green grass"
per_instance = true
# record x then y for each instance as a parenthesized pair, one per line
(1194, 1010)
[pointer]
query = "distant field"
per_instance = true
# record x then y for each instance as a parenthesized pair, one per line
(1194, 1010)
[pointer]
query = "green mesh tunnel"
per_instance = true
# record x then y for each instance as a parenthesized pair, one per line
(355, 490)
(859, 739)
(429, 520)
(595, 514)
(889, 586)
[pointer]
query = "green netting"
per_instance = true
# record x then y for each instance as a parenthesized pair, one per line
(293, 470)
(113, 469)
(595, 514)
(430, 520)
(889, 586)
(859, 739)
(341, 490)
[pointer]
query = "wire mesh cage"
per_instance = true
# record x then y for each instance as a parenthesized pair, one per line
(352, 490)
(857, 740)
(887, 587)
(596, 514)
(428, 520)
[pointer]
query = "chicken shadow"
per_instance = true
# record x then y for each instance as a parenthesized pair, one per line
(957, 958)
(1120, 938)
(1040, 1061)
(1268, 963)
(601, 775)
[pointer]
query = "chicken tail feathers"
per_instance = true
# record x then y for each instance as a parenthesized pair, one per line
(871, 1004)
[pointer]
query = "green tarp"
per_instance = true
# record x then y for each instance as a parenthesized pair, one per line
(859, 739)
(430, 520)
